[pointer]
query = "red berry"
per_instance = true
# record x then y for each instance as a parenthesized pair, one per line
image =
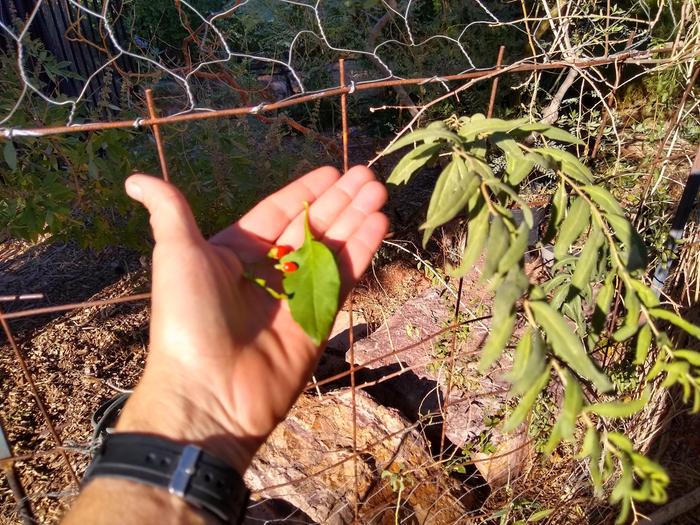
(279, 251)
(289, 267)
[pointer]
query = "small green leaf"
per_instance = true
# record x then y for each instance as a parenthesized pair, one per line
(516, 251)
(645, 293)
(642, 345)
(689, 355)
(636, 256)
(498, 241)
(521, 411)
(604, 199)
(503, 316)
(587, 261)
(10, 154)
(672, 318)
(569, 164)
(567, 345)
(517, 168)
(313, 290)
(591, 448)
(620, 409)
(561, 135)
(557, 212)
(477, 231)
(424, 134)
(631, 324)
(539, 515)
(565, 426)
(603, 302)
(577, 220)
(475, 128)
(528, 362)
(412, 162)
(454, 188)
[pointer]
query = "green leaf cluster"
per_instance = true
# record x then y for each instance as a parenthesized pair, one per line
(593, 297)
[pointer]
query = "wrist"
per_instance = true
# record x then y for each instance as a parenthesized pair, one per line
(168, 413)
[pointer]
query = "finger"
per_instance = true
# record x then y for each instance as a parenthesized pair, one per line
(171, 216)
(269, 218)
(328, 207)
(355, 256)
(371, 197)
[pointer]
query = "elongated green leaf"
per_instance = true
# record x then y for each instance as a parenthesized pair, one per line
(498, 241)
(604, 199)
(587, 261)
(567, 345)
(557, 213)
(631, 324)
(503, 316)
(672, 318)
(603, 302)
(569, 164)
(561, 135)
(636, 252)
(424, 134)
(565, 426)
(620, 409)
(412, 162)
(313, 290)
(506, 144)
(528, 363)
(689, 355)
(523, 409)
(10, 154)
(477, 231)
(453, 189)
(475, 128)
(516, 251)
(645, 293)
(577, 220)
(642, 345)
(517, 168)
(591, 448)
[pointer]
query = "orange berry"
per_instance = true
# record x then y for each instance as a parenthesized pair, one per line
(279, 251)
(289, 267)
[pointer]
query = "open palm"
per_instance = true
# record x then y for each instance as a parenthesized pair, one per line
(226, 360)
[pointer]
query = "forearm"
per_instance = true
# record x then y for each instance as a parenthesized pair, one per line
(107, 501)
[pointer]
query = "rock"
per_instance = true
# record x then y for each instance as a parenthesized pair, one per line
(404, 342)
(307, 462)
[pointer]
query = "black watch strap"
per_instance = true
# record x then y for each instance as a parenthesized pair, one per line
(186, 471)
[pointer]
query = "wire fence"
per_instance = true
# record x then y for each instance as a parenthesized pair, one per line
(398, 489)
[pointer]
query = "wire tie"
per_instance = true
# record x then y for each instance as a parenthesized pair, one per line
(8, 132)
(257, 108)
(137, 123)
(352, 87)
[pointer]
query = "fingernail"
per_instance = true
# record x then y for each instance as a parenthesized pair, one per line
(133, 190)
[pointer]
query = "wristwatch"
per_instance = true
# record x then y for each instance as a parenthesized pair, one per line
(186, 471)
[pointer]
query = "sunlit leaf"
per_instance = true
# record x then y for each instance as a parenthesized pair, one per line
(642, 345)
(498, 242)
(567, 345)
(577, 220)
(313, 290)
(528, 362)
(503, 316)
(569, 164)
(636, 255)
(620, 409)
(587, 260)
(672, 318)
(523, 409)
(412, 162)
(453, 189)
(477, 231)
(424, 134)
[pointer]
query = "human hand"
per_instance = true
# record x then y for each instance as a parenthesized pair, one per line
(226, 360)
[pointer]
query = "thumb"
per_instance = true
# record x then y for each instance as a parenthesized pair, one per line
(171, 216)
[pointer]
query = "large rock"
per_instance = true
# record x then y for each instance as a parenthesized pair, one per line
(308, 463)
(407, 348)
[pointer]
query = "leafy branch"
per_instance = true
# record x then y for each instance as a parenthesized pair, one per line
(597, 253)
